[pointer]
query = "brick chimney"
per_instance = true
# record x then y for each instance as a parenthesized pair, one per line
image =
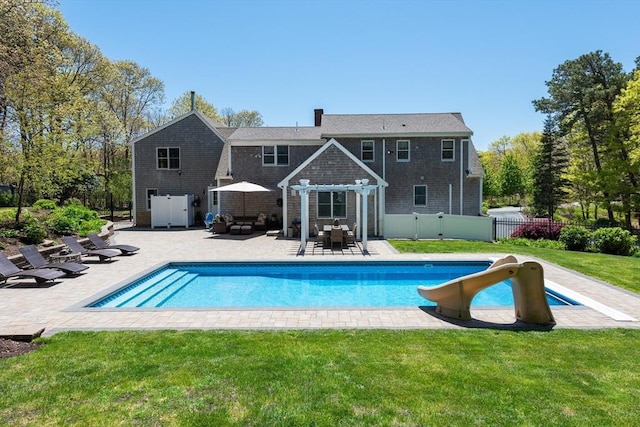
(317, 113)
(193, 100)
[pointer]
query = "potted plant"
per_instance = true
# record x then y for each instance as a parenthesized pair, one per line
(336, 222)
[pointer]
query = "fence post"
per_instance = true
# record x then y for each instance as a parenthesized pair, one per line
(494, 224)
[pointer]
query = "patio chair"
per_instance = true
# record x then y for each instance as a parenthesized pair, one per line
(208, 220)
(102, 254)
(351, 235)
(337, 237)
(8, 270)
(37, 260)
(101, 244)
(321, 236)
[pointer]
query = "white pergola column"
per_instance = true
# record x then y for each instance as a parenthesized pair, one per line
(365, 197)
(304, 213)
(285, 211)
(358, 216)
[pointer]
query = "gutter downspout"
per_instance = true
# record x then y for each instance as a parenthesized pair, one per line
(381, 192)
(134, 205)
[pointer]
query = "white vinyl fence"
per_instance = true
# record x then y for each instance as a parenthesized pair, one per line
(438, 226)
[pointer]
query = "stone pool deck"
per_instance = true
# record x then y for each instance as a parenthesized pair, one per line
(25, 309)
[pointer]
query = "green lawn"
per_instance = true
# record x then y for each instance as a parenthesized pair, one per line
(617, 270)
(338, 377)
(326, 378)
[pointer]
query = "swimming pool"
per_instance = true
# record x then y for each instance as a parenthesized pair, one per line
(300, 284)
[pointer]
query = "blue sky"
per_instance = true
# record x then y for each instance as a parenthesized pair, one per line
(487, 59)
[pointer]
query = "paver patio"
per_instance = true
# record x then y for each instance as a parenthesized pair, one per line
(57, 308)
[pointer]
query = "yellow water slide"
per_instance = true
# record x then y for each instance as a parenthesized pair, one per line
(527, 282)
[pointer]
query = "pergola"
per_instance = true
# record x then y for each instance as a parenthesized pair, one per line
(362, 190)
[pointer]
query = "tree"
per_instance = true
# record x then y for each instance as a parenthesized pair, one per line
(490, 183)
(549, 166)
(243, 118)
(522, 148)
(131, 94)
(33, 102)
(511, 178)
(582, 93)
(627, 129)
(182, 105)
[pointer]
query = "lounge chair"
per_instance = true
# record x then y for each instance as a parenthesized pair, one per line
(75, 246)
(37, 260)
(8, 270)
(101, 244)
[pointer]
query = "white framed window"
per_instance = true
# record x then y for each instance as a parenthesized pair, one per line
(402, 150)
(168, 158)
(448, 150)
(367, 152)
(275, 155)
(150, 192)
(332, 204)
(420, 195)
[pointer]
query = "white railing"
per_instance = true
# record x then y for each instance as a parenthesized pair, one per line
(438, 226)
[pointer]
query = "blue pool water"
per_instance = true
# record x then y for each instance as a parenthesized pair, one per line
(300, 284)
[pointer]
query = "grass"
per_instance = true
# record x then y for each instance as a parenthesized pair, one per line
(326, 378)
(617, 270)
(338, 377)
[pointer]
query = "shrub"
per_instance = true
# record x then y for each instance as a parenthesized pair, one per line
(64, 225)
(73, 201)
(575, 238)
(614, 241)
(69, 219)
(44, 204)
(8, 232)
(34, 232)
(91, 226)
(7, 214)
(538, 229)
(7, 199)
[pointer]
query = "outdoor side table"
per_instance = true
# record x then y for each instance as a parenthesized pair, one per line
(60, 258)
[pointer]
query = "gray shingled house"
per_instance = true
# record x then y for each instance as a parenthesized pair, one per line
(424, 163)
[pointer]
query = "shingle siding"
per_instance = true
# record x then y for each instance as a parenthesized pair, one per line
(425, 167)
(331, 167)
(200, 150)
(201, 155)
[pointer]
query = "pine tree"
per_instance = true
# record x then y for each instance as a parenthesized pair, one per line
(550, 162)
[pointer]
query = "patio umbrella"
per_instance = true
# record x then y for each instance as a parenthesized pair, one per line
(242, 187)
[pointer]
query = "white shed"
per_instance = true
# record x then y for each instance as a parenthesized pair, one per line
(172, 211)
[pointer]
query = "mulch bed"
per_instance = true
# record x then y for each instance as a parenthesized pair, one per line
(11, 348)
